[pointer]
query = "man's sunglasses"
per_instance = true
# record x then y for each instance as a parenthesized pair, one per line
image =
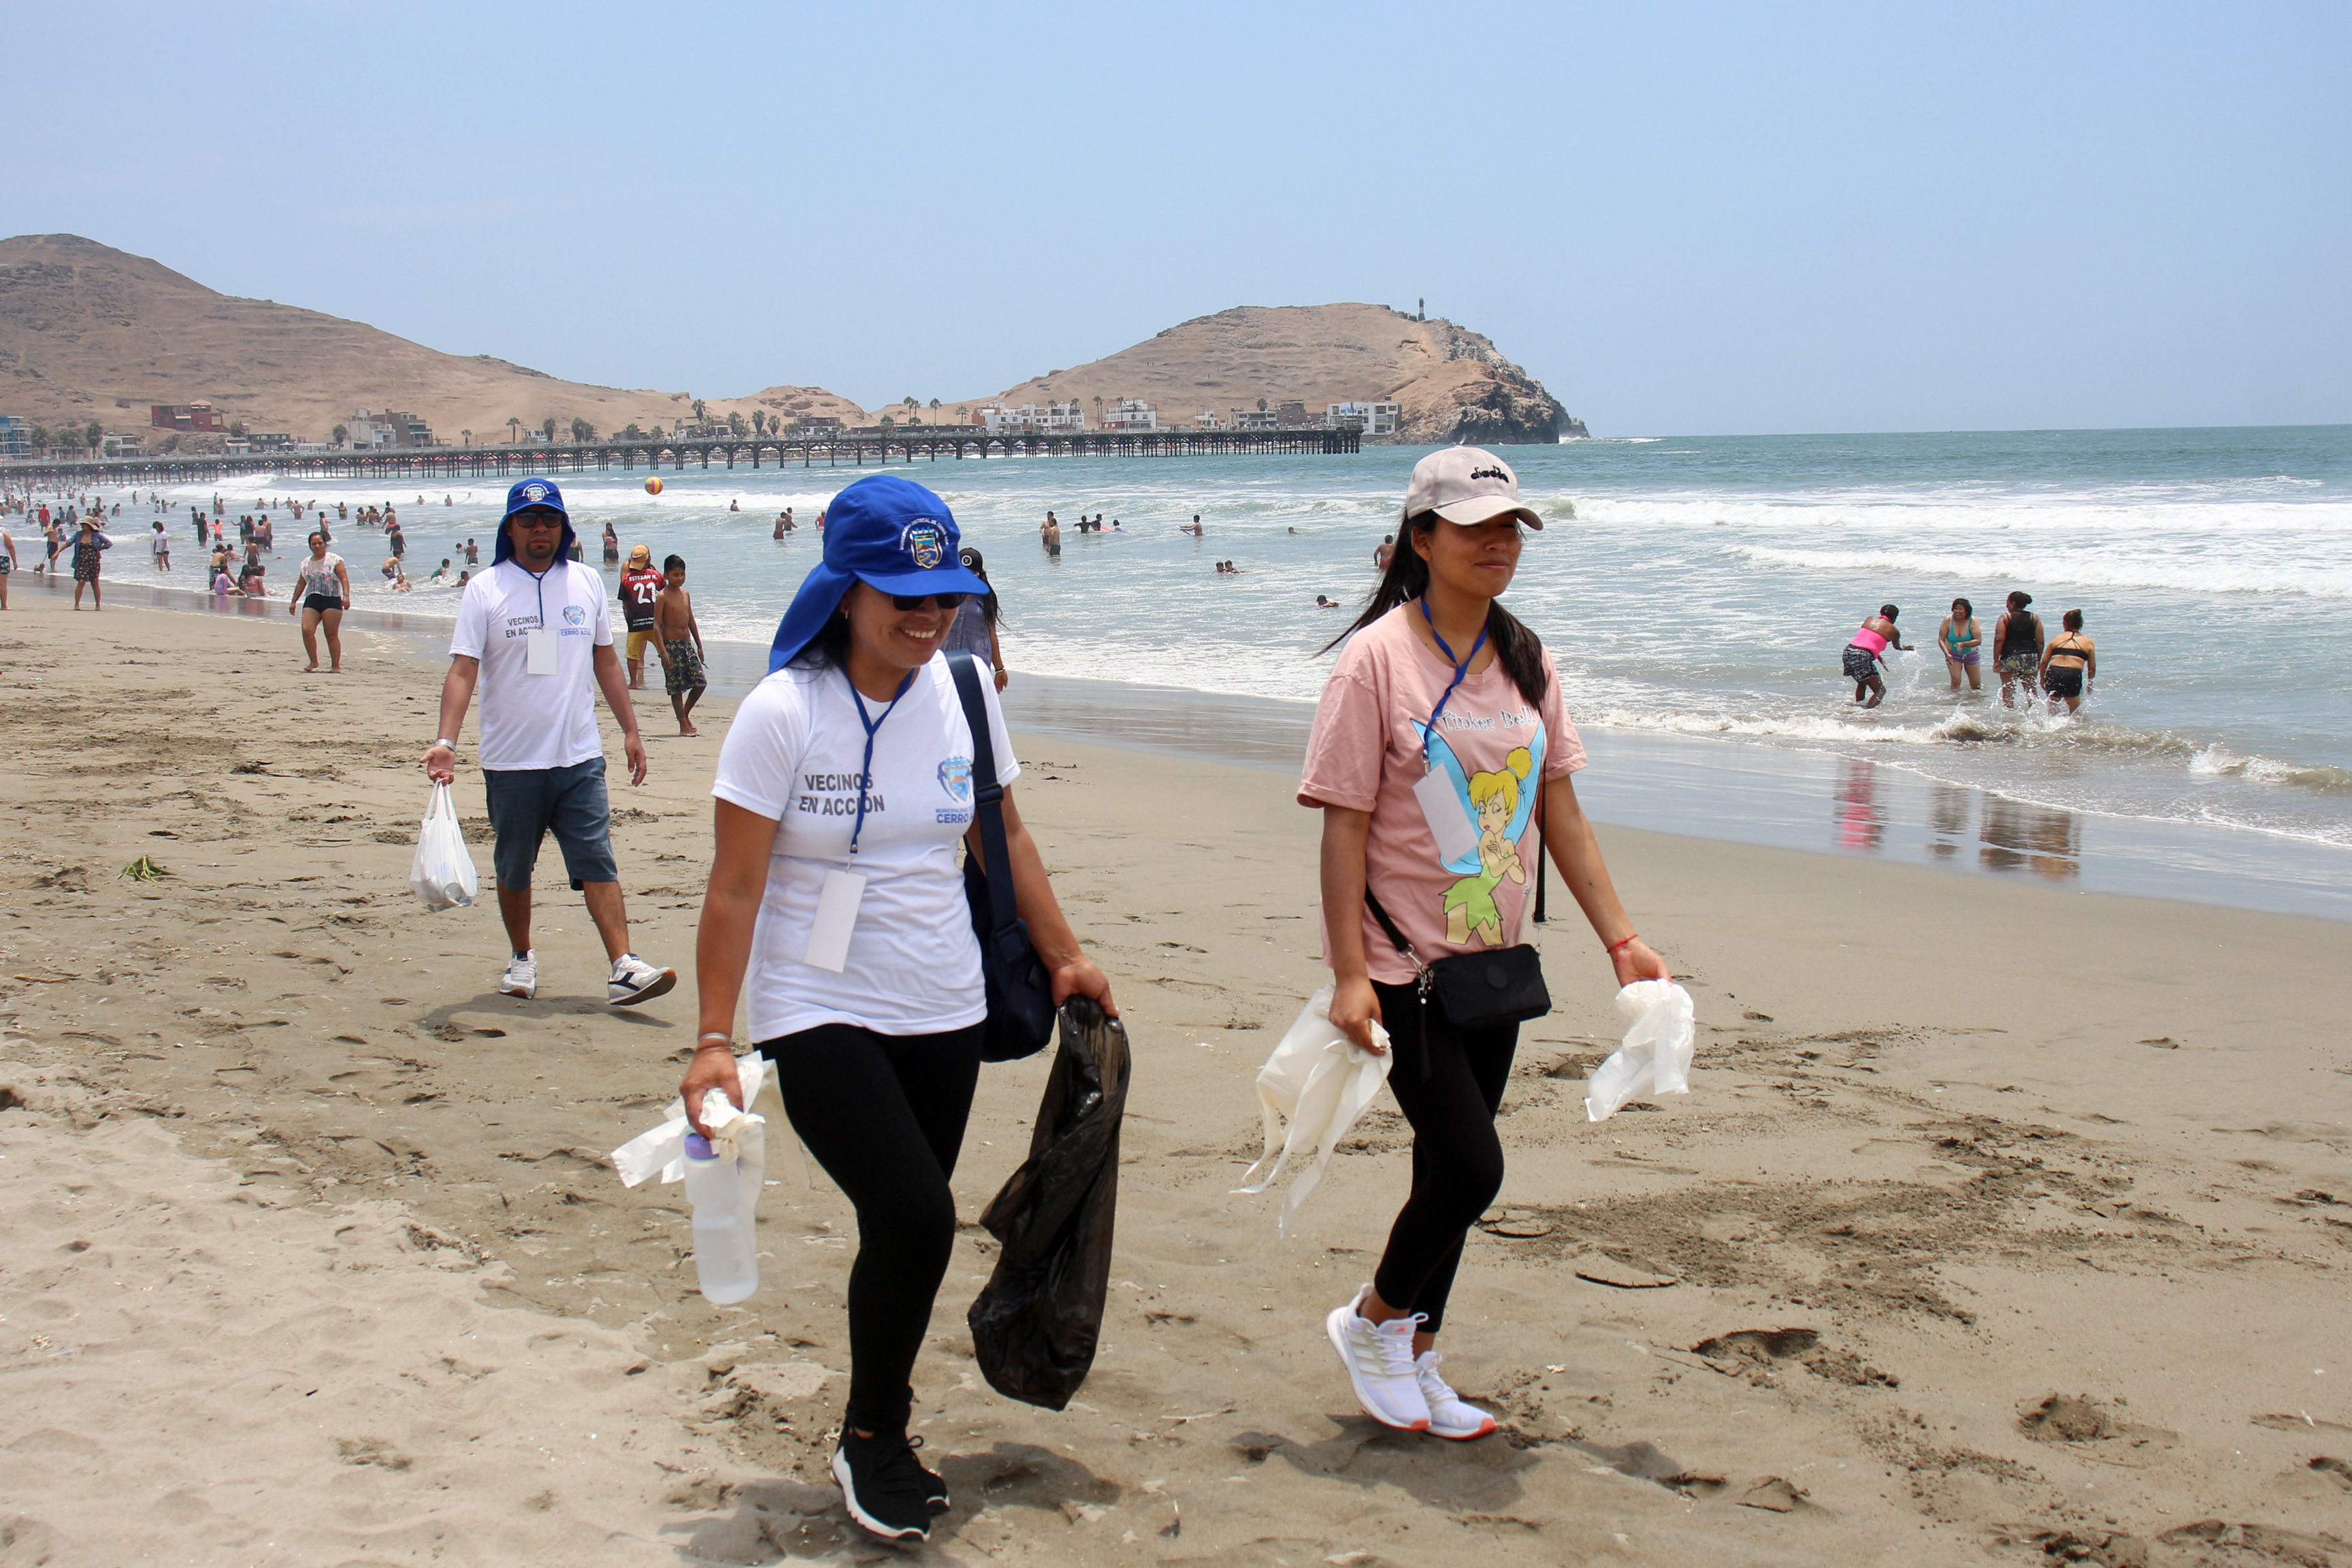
(539, 519)
(917, 601)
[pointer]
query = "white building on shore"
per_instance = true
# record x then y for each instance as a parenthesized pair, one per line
(1132, 414)
(1372, 418)
(1052, 417)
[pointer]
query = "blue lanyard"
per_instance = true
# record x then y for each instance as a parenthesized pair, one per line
(866, 769)
(539, 580)
(1460, 670)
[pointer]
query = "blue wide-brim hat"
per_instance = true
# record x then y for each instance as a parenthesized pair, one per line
(887, 533)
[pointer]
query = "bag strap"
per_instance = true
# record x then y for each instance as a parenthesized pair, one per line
(987, 795)
(1542, 854)
(1396, 937)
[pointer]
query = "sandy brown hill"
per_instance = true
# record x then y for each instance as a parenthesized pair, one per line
(89, 332)
(1451, 383)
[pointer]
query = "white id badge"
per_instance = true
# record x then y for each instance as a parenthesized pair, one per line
(836, 913)
(1447, 821)
(538, 651)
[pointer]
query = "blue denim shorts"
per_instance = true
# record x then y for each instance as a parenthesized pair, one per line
(527, 804)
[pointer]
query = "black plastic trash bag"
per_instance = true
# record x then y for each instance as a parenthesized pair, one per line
(1035, 1328)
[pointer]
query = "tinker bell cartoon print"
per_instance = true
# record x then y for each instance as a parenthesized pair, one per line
(1500, 806)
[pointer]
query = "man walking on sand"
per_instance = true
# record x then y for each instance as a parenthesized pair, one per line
(533, 633)
(678, 637)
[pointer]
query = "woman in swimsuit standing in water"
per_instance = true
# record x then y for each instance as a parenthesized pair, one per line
(2068, 665)
(2017, 647)
(1963, 645)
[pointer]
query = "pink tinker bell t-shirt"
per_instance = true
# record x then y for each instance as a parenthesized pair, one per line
(1493, 748)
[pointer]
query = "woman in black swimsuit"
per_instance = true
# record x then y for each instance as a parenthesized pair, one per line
(2068, 664)
(2017, 648)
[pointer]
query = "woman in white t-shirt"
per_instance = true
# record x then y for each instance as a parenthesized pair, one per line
(836, 914)
(1439, 736)
(323, 586)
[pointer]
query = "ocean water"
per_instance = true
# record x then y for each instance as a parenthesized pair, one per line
(1688, 587)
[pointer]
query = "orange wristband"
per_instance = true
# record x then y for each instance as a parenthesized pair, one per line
(1622, 942)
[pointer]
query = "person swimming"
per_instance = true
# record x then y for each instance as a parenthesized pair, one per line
(1864, 653)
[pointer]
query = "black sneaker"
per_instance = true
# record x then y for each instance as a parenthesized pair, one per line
(888, 1492)
(935, 1486)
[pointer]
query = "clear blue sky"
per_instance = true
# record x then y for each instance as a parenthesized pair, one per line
(1682, 218)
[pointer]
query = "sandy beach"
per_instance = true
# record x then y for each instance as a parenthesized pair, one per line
(2005, 1224)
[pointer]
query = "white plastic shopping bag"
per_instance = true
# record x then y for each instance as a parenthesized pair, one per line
(1320, 1083)
(1655, 1057)
(443, 871)
(734, 1135)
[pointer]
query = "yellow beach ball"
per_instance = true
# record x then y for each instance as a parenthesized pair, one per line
(653, 486)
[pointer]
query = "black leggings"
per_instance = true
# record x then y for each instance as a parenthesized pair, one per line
(1449, 1086)
(884, 1114)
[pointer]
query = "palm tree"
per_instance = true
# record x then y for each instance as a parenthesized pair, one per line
(935, 402)
(514, 430)
(582, 431)
(466, 437)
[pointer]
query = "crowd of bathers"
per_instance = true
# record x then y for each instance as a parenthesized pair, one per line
(2026, 659)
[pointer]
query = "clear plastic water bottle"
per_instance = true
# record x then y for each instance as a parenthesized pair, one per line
(726, 1250)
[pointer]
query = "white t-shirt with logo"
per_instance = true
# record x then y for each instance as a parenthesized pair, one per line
(535, 721)
(792, 753)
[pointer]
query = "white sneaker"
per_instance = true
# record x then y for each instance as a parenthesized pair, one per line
(633, 980)
(1448, 1416)
(1379, 1359)
(522, 978)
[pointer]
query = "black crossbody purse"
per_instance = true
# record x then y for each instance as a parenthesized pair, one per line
(1474, 990)
(1020, 993)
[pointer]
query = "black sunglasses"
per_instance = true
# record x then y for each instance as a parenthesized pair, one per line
(917, 601)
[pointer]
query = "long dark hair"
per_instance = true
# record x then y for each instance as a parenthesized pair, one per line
(1407, 579)
(970, 558)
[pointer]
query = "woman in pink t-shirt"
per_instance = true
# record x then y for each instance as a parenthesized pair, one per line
(1439, 681)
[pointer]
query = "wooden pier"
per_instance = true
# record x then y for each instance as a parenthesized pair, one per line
(853, 449)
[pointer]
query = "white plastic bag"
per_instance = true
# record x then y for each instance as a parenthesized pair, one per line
(443, 871)
(1320, 1082)
(1655, 1057)
(734, 1135)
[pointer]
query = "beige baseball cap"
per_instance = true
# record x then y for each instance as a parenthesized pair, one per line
(1466, 485)
(639, 552)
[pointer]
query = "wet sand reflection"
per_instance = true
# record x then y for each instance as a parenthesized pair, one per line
(2037, 838)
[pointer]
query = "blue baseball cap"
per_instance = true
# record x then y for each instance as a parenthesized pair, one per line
(887, 533)
(535, 491)
(521, 496)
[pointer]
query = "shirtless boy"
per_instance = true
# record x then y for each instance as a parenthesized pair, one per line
(678, 637)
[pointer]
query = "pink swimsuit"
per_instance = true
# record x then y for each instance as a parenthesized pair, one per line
(1869, 641)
